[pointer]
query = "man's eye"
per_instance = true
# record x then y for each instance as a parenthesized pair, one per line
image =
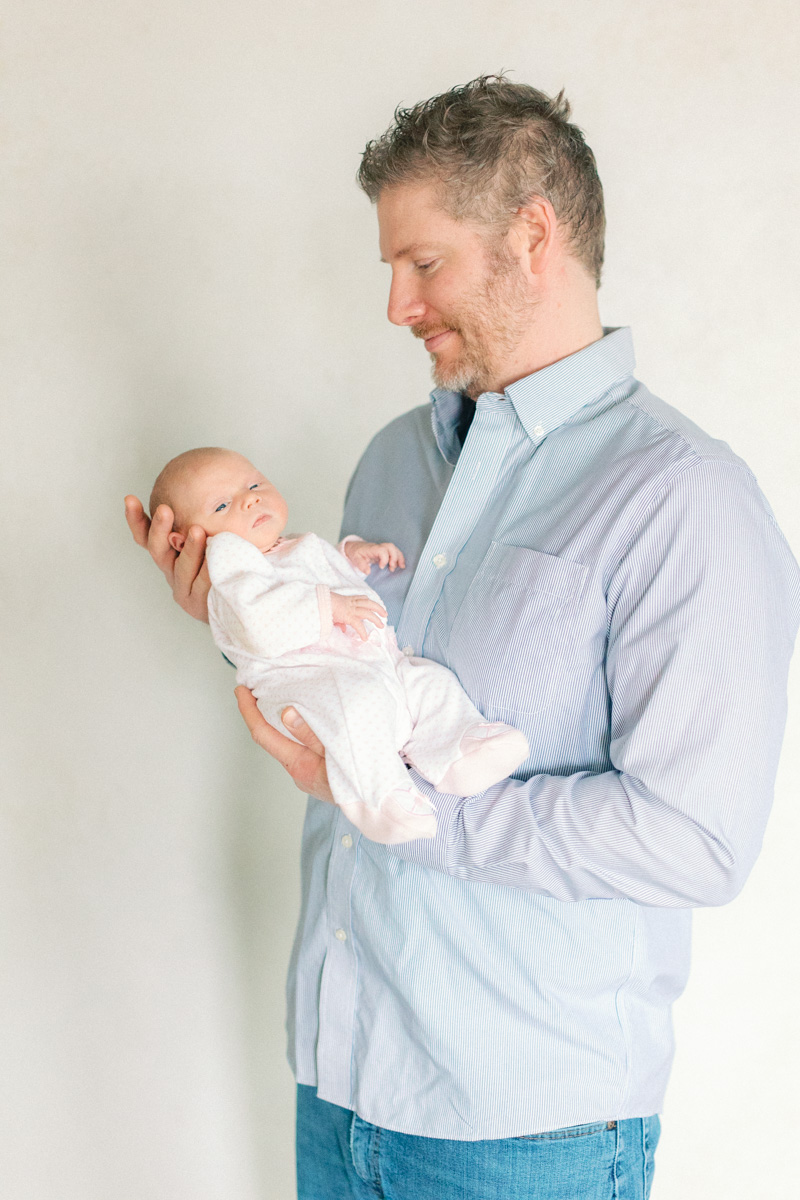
(220, 507)
(424, 266)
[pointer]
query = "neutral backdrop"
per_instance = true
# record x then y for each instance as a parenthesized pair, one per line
(186, 260)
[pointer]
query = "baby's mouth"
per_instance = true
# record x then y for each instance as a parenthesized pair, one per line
(260, 520)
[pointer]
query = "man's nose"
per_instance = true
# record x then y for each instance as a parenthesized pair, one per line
(406, 306)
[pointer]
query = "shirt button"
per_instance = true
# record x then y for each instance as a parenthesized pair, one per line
(439, 560)
(341, 935)
(347, 841)
(538, 430)
(408, 651)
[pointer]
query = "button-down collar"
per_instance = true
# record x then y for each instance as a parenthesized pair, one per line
(546, 398)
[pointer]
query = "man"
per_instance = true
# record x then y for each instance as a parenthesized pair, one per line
(488, 1013)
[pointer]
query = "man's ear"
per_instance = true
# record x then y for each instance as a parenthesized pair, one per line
(177, 540)
(536, 225)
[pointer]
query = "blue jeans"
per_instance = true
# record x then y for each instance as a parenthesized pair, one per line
(341, 1157)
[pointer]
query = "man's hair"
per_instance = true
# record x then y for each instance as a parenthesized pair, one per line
(492, 145)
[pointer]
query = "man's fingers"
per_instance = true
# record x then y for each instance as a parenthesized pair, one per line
(267, 737)
(190, 584)
(249, 709)
(138, 521)
(301, 730)
(304, 759)
(158, 540)
(188, 564)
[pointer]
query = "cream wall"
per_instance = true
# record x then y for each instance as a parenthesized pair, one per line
(185, 260)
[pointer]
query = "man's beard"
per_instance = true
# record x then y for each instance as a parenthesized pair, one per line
(490, 324)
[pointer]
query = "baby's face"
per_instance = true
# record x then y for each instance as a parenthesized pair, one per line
(228, 494)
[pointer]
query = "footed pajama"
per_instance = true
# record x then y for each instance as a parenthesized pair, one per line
(367, 702)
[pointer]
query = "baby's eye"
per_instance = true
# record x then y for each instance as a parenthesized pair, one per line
(254, 485)
(220, 507)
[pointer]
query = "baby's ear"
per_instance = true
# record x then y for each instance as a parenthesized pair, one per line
(177, 540)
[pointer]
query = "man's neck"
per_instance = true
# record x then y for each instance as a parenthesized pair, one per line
(557, 330)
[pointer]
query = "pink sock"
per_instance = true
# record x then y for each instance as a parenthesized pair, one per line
(488, 753)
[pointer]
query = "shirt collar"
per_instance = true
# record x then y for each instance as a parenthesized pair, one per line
(546, 398)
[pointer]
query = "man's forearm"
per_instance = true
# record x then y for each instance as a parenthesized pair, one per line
(588, 836)
(702, 615)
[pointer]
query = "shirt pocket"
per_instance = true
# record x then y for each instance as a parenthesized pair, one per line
(511, 639)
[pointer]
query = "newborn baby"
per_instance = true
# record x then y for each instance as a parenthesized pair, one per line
(297, 619)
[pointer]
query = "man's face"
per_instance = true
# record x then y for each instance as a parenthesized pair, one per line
(228, 494)
(470, 302)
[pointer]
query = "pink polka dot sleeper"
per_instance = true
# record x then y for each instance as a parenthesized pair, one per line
(367, 702)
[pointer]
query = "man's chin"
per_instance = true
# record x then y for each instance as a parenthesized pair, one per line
(455, 377)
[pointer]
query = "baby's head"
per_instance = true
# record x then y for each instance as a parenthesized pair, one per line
(219, 490)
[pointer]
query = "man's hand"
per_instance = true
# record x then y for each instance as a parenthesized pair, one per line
(354, 611)
(363, 554)
(305, 763)
(187, 572)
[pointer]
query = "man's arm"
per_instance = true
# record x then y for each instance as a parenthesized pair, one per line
(186, 573)
(703, 609)
(304, 759)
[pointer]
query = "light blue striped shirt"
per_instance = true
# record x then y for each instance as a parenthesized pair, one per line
(606, 577)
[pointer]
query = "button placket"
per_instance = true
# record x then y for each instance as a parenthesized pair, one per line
(491, 435)
(338, 984)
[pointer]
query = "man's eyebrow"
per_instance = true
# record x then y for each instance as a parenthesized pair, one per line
(414, 248)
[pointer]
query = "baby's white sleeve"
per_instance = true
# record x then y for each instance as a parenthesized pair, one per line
(351, 537)
(340, 548)
(261, 613)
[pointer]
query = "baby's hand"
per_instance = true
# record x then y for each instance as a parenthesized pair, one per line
(355, 610)
(363, 554)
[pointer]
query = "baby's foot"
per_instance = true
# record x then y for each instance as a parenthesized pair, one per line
(403, 815)
(488, 753)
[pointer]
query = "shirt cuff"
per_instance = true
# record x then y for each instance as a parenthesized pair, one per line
(432, 852)
(325, 610)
